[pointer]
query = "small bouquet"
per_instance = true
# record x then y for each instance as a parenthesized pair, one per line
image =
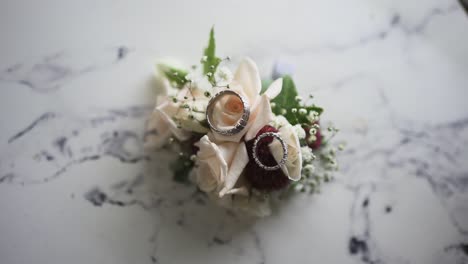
(240, 140)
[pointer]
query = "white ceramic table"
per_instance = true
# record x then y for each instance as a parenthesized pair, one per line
(76, 87)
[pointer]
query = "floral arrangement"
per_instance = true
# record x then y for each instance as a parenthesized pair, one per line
(242, 141)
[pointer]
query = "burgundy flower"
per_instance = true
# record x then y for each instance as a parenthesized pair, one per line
(262, 179)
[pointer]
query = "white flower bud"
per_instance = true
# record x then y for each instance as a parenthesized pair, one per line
(279, 121)
(298, 187)
(307, 155)
(299, 131)
(223, 76)
(313, 116)
(312, 138)
(308, 169)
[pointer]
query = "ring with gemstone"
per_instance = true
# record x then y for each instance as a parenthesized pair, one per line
(241, 123)
(283, 145)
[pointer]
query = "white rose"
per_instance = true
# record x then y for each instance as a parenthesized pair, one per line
(176, 113)
(292, 168)
(219, 173)
(246, 81)
(160, 125)
(219, 166)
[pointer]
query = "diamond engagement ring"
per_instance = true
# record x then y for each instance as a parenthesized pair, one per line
(241, 123)
(283, 145)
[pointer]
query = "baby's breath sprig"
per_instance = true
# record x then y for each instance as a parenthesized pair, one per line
(293, 106)
(182, 166)
(333, 131)
(324, 165)
(176, 76)
(320, 163)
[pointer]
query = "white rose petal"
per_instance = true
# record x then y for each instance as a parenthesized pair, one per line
(166, 110)
(220, 163)
(212, 167)
(292, 168)
(274, 89)
(156, 135)
(262, 116)
(160, 125)
(236, 168)
(248, 77)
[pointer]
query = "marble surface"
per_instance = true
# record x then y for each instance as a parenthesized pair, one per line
(76, 87)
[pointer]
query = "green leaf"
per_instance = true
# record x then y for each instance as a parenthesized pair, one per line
(174, 75)
(317, 109)
(210, 61)
(181, 168)
(287, 98)
(287, 101)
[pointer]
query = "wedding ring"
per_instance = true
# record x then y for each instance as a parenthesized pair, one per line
(241, 123)
(283, 145)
